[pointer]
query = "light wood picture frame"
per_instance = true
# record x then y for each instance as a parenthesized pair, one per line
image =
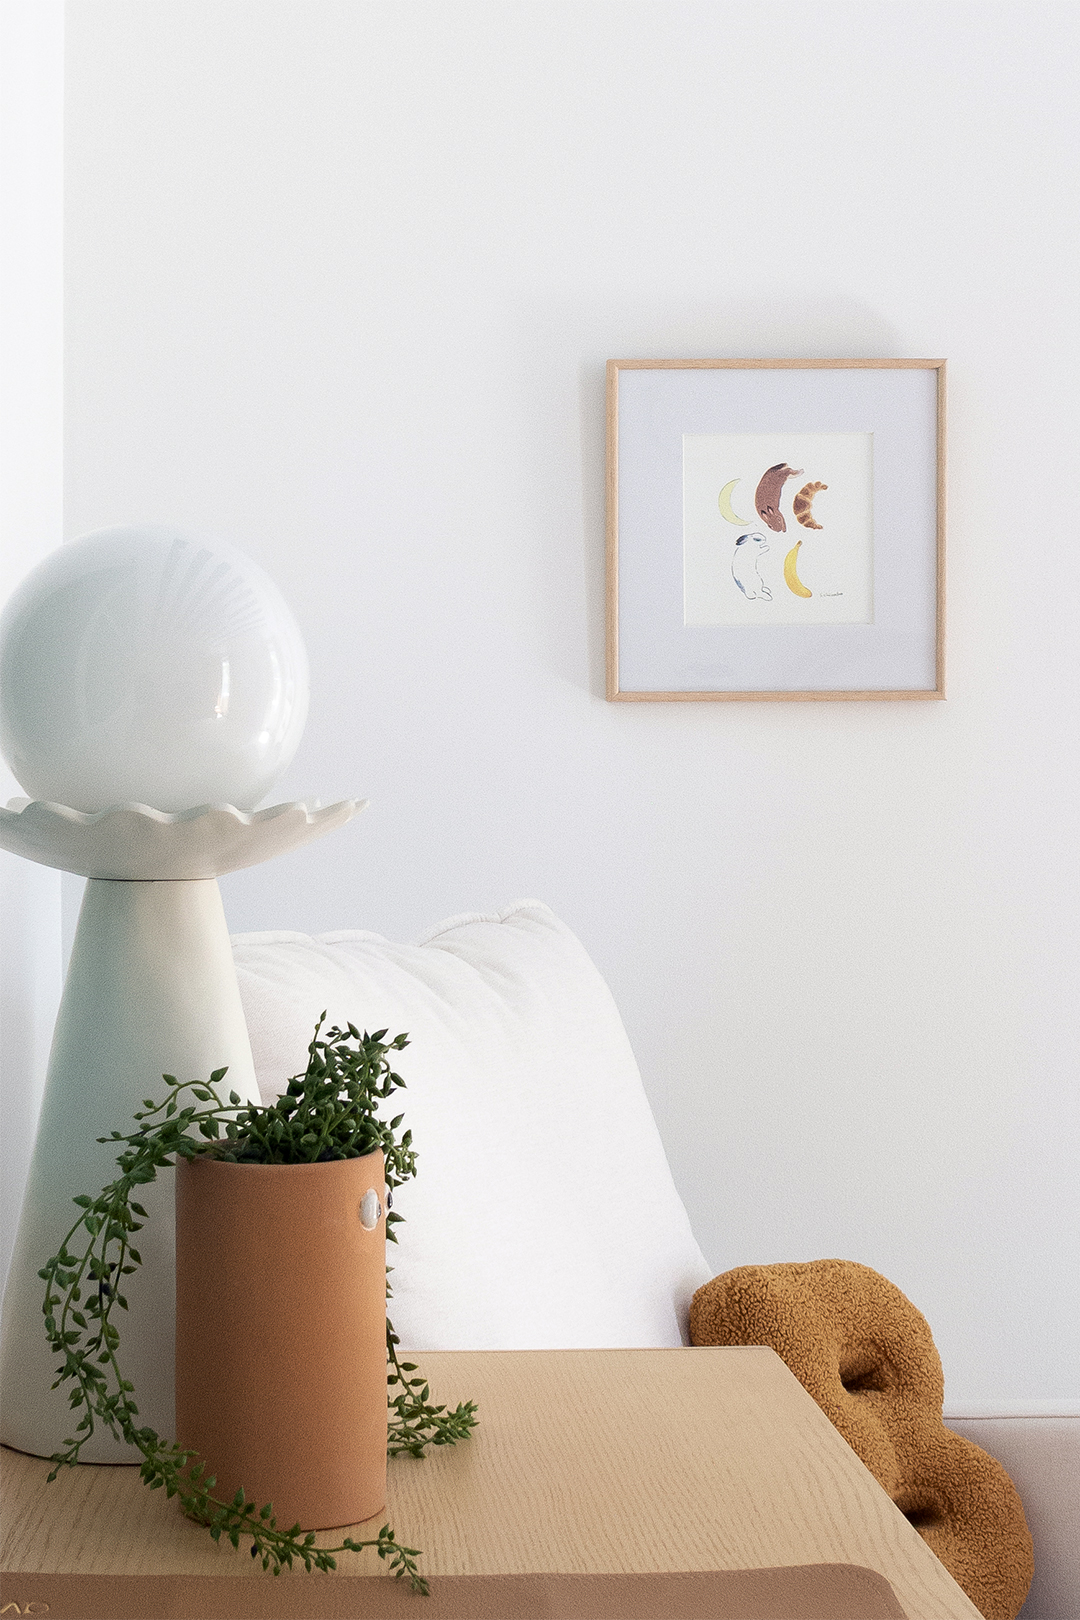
(833, 588)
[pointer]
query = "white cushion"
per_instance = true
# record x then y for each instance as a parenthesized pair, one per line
(543, 1214)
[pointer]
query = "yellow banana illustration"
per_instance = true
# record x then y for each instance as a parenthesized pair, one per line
(726, 507)
(791, 577)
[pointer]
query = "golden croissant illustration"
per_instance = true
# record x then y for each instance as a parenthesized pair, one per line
(802, 503)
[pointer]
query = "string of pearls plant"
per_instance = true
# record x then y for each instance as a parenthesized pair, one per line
(328, 1112)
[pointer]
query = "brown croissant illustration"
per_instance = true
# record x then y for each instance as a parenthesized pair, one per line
(802, 503)
(767, 498)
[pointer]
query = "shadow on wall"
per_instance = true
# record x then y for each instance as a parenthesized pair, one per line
(569, 343)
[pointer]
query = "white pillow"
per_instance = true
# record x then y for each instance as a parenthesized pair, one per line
(543, 1214)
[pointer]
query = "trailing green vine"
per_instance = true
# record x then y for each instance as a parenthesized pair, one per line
(328, 1112)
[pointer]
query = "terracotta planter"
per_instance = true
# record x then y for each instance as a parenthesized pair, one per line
(281, 1333)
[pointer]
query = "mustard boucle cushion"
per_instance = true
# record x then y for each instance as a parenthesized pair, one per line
(867, 1357)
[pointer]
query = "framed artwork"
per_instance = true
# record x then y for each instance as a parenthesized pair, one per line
(776, 530)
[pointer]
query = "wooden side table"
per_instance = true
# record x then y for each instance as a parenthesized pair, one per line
(585, 1463)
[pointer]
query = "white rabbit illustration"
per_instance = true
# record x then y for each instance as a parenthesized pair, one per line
(744, 566)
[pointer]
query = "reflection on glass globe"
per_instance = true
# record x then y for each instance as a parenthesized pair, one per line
(141, 665)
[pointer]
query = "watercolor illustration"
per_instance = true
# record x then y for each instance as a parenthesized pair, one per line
(767, 502)
(802, 505)
(744, 566)
(725, 506)
(820, 485)
(791, 574)
(767, 498)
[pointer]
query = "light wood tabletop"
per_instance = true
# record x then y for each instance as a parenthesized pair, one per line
(583, 1461)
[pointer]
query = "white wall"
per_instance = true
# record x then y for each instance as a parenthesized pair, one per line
(31, 525)
(342, 278)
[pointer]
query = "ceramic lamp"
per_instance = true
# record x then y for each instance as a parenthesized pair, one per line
(140, 665)
(152, 688)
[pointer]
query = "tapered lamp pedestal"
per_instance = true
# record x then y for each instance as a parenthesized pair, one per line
(151, 990)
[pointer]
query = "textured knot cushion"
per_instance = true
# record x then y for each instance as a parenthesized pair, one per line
(543, 1214)
(866, 1355)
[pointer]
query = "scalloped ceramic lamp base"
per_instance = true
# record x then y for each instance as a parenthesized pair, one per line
(281, 1341)
(150, 990)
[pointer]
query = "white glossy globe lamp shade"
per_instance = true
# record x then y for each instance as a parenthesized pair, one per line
(146, 666)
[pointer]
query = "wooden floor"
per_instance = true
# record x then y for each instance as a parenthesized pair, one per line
(615, 1461)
